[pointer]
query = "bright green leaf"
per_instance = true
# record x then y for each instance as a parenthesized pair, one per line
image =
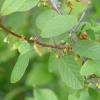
(91, 67)
(96, 28)
(89, 49)
(20, 67)
(91, 34)
(44, 17)
(24, 47)
(84, 26)
(11, 6)
(78, 7)
(83, 95)
(44, 94)
(58, 25)
(69, 70)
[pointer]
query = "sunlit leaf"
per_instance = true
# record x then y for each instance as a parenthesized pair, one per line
(69, 70)
(44, 94)
(10, 6)
(89, 49)
(20, 67)
(91, 67)
(58, 25)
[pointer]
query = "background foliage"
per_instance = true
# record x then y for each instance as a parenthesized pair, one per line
(49, 49)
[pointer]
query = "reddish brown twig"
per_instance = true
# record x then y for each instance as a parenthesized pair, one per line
(4, 28)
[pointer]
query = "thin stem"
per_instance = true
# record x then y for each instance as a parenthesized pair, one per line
(77, 26)
(33, 40)
(70, 11)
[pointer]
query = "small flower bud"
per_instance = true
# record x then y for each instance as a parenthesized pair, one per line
(70, 4)
(65, 50)
(44, 2)
(77, 0)
(57, 56)
(84, 36)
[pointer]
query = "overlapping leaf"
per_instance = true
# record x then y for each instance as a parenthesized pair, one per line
(20, 67)
(44, 94)
(69, 71)
(11, 6)
(89, 49)
(58, 25)
(91, 67)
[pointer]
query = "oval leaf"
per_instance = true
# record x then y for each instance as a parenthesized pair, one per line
(58, 25)
(11, 6)
(69, 71)
(91, 67)
(44, 94)
(89, 49)
(44, 17)
(20, 67)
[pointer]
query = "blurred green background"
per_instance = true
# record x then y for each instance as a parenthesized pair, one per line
(37, 71)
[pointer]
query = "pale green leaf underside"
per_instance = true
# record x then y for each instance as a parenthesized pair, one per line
(91, 67)
(44, 17)
(69, 71)
(58, 25)
(20, 67)
(11, 6)
(44, 94)
(89, 49)
(24, 47)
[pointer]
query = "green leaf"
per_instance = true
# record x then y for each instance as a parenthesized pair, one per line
(1, 2)
(91, 67)
(20, 67)
(24, 47)
(11, 6)
(93, 93)
(91, 34)
(83, 95)
(95, 4)
(44, 17)
(58, 25)
(44, 94)
(29, 98)
(89, 49)
(38, 75)
(78, 8)
(69, 70)
(96, 28)
(84, 26)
